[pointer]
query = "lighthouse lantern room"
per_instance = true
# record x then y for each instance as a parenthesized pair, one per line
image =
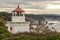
(18, 15)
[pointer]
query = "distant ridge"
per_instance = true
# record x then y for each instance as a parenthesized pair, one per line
(44, 17)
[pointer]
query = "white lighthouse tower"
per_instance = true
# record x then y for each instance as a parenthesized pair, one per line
(18, 23)
(18, 15)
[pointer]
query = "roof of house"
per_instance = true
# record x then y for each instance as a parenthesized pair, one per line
(18, 9)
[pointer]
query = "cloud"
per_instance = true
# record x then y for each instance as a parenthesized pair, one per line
(53, 7)
(32, 6)
(43, 11)
(46, 0)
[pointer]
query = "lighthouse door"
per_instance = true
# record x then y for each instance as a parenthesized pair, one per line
(11, 29)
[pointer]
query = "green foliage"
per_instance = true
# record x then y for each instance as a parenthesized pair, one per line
(4, 33)
(31, 37)
(5, 15)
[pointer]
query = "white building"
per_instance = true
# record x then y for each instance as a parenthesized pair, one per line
(18, 23)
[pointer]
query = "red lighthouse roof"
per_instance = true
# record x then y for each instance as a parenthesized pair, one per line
(18, 9)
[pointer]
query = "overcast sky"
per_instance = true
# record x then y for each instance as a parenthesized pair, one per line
(32, 6)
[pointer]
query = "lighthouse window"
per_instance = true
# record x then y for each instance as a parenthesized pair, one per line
(13, 14)
(17, 13)
(21, 14)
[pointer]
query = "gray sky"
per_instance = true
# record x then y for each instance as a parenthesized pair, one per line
(32, 6)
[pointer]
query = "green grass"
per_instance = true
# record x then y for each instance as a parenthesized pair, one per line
(5, 35)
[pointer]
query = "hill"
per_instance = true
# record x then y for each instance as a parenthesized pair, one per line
(44, 17)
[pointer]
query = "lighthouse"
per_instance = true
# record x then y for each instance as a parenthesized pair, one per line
(18, 15)
(18, 23)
